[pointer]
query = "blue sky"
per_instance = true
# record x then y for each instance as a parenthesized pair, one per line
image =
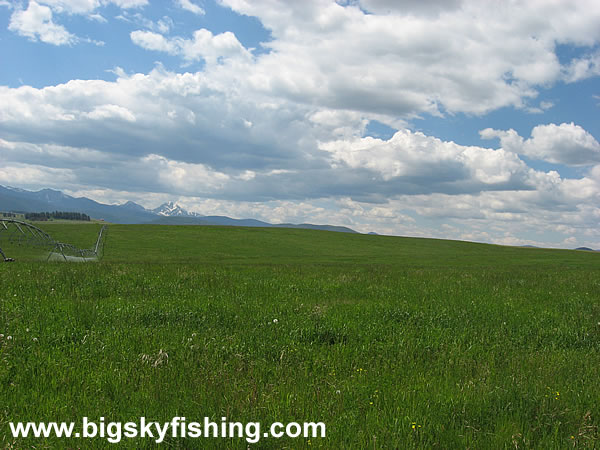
(456, 119)
(28, 62)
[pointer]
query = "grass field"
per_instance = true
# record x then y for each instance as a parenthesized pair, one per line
(391, 342)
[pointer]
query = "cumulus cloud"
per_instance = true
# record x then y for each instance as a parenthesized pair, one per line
(566, 143)
(422, 160)
(409, 59)
(274, 149)
(153, 41)
(184, 177)
(187, 117)
(406, 59)
(104, 112)
(203, 46)
(36, 23)
(552, 205)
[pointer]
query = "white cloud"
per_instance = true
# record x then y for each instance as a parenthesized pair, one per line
(292, 151)
(98, 18)
(188, 5)
(419, 159)
(212, 47)
(410, 58)
(566, 143)
(186, 117)
(104, 112)
(153, 41)
(64, 156)
(89, 6)
(543, 106)
(582, 68)
(161, 26)
(72, 6)
(183, 177)
(36, 23)
(551, 206)
(128, 3)
(409, 7)
(34, 175)
(164, 25)
(203, 46)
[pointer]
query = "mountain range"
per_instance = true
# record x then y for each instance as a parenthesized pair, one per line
(170, 213)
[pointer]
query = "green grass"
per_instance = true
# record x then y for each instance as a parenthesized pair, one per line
(476, 346)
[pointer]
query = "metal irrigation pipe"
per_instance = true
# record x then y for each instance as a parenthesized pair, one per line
(43, 238)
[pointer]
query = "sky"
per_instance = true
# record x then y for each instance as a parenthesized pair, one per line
(456, 119)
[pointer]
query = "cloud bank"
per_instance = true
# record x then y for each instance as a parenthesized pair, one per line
(280, 134)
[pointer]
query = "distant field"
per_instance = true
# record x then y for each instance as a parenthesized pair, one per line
(267, 246)
(52, 222)
(391, 342)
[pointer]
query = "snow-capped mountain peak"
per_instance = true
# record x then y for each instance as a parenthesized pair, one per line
(172, 209)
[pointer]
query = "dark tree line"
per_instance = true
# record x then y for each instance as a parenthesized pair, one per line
(57, 215)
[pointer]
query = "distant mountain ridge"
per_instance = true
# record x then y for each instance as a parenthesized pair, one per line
(170, 213)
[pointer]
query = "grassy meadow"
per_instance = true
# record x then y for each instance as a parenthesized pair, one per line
(391, 342)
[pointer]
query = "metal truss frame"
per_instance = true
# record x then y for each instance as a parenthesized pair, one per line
(23, 233)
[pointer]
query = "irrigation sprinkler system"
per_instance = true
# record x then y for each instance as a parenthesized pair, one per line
(21, 233)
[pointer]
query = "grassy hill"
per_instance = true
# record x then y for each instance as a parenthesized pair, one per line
(391, 342)
(267, 246)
